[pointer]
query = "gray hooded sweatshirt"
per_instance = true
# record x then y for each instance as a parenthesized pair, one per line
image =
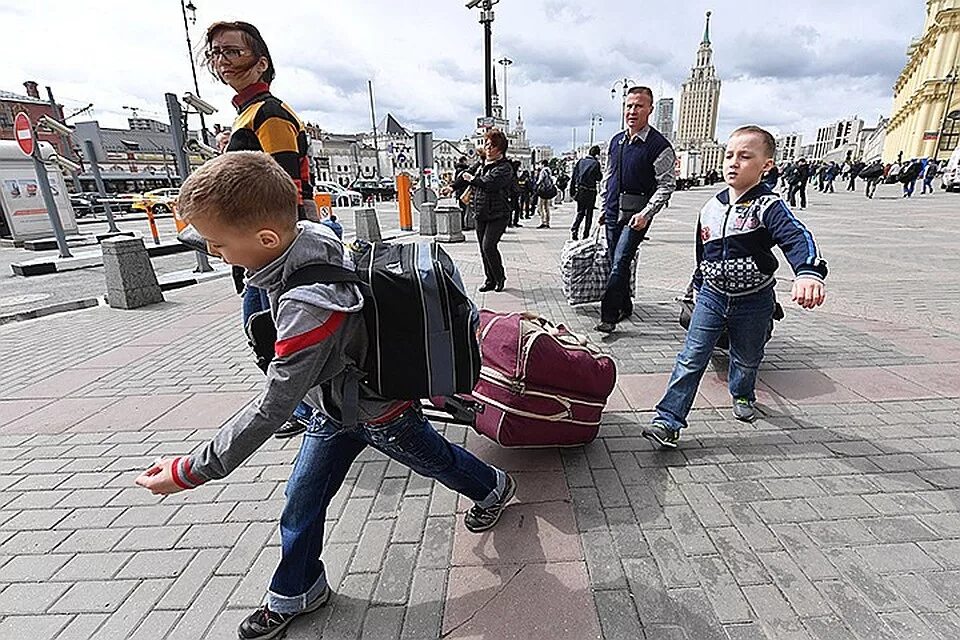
(320, 337)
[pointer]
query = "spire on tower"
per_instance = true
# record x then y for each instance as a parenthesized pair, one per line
(706, 31)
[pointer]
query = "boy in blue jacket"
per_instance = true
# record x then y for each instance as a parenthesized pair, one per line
(735, 282)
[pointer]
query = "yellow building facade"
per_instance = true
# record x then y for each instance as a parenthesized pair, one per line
(925, 120)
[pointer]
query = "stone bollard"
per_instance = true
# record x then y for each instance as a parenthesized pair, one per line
(367, 224)
(131, 281)
(448, 223)
(428, 219)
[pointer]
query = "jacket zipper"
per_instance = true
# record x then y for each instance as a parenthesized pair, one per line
(723, 263)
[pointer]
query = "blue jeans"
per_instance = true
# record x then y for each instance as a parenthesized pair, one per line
(326, 453)
(622, 244)
(746, 319)
(254, 301)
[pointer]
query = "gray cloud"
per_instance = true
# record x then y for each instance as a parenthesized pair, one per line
(804, 53)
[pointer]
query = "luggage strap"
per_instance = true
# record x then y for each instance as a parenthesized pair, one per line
(331, 274)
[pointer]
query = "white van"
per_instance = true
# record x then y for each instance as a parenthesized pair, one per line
(950, 177)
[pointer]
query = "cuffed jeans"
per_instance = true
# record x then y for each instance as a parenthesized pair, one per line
(622, 244)
(254, 301)
(326, 453)
(746, 319)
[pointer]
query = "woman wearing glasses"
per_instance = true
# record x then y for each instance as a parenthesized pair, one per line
(237, 55)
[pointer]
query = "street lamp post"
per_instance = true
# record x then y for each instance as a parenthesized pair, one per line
(595, 121)
(184, 8)
(626, 83)
(486, 19)
(505, 62)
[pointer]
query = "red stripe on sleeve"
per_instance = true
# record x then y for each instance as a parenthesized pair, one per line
(188, 471)
(175, 472)
(293, 344)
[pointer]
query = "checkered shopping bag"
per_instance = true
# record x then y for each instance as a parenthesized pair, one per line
(584, 268)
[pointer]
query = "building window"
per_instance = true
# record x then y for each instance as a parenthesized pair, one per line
(951, 135)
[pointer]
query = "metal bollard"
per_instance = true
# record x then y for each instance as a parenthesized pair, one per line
(403, 201)
(153, 224)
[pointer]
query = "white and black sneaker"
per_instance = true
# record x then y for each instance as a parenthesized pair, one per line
(480, 519)
(264, 624)
(744, 410)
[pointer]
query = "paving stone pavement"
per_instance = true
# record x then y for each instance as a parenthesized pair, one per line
(834, 516)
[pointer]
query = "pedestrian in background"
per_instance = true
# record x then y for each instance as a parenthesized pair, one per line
(929, 173)
(798, 184)
(562, 181)
(524, 192)
(458, 169)
(640, 180)
(908, 176)
(587, 174)
(515, 195)
(237, 55)
(493, 182)
(546, 191)
(872, 175)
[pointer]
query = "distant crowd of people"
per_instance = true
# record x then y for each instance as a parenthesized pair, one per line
(795, 176)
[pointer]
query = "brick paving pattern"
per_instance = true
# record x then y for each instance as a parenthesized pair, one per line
(834, 516)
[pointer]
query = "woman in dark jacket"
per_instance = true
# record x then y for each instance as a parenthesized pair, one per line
(492, 183)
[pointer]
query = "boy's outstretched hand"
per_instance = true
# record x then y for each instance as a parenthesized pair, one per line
(808, 292)
(159, 478)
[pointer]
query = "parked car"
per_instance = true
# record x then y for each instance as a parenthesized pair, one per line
(950, 175)
(382, 189)
(339, 196)
(162, 200)
(86, 203)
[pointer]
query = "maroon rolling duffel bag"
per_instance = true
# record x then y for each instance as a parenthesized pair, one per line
(540, 385)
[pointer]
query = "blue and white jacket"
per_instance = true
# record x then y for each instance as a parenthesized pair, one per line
(735, 242)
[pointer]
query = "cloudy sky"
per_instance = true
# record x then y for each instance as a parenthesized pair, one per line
(793, 67)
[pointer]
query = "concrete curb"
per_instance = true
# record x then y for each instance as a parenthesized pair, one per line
(48, 310)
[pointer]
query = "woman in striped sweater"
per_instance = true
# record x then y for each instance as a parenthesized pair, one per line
(237, 55)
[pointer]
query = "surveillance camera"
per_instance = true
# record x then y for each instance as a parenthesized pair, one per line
(53, 125)
(63, 163)
(202, 106)
(195, 146)
(473, 4)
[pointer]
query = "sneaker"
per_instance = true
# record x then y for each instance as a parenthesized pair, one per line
(486, 286)
(479, 519)
(606, 327)
(743, 410)
(661, 435)
(293, 427)
(264, 624)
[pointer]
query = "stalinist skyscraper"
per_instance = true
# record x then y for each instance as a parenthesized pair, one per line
(699, 101)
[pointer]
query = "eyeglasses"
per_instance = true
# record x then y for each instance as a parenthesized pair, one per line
(228, 53)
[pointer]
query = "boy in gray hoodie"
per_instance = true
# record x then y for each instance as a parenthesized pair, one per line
(245, 207)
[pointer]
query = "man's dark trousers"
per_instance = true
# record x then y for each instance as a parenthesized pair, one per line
(798, 188)
(622, 244)
(586, 202)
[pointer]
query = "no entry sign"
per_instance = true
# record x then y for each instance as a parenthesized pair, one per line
(23, 133)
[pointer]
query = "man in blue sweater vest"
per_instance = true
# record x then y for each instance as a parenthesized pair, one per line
(640, 179)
